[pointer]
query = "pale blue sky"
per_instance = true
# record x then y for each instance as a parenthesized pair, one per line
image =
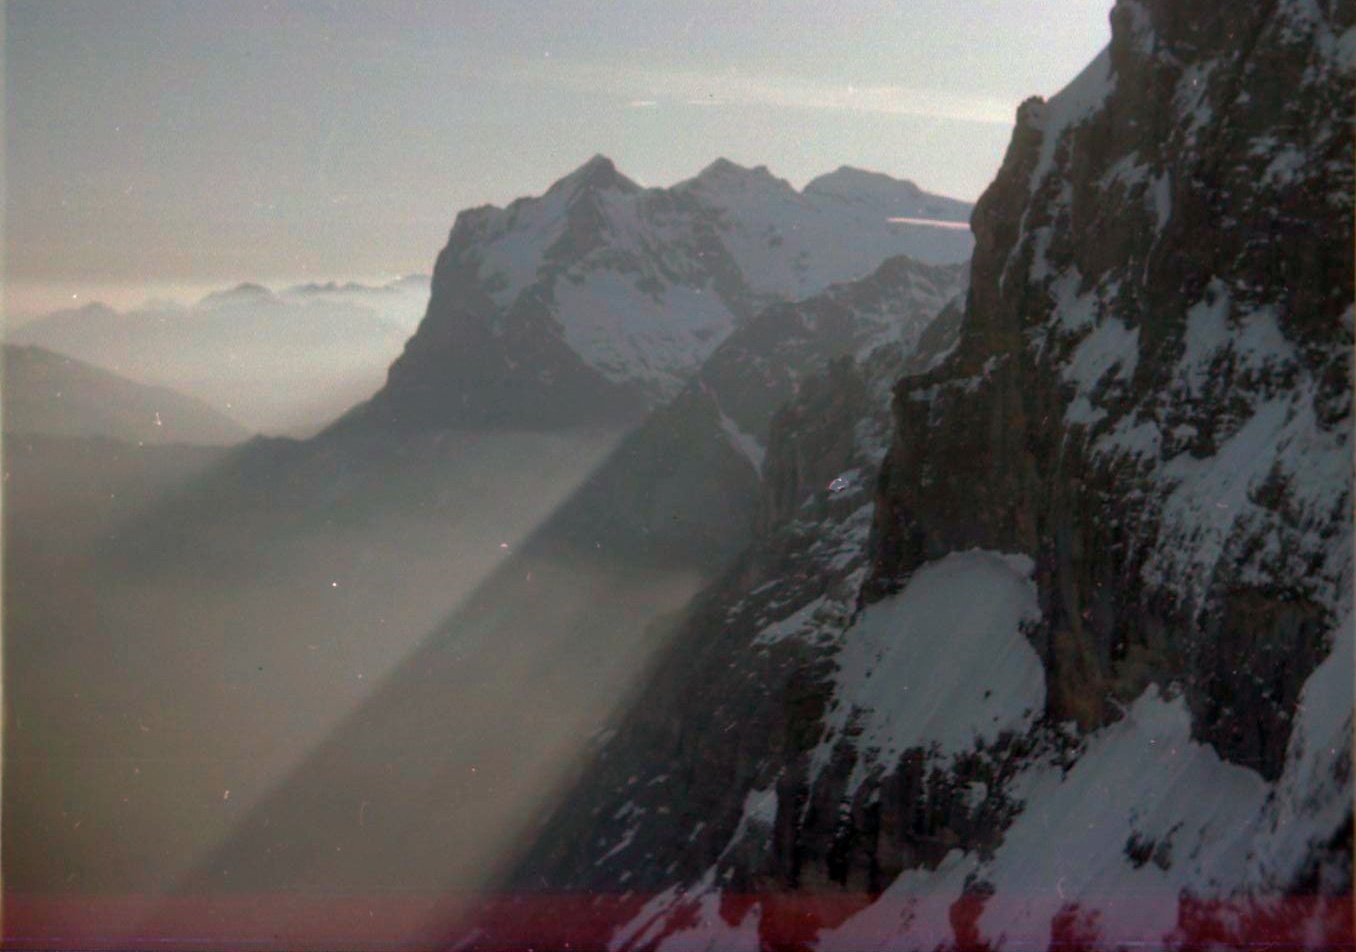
(150, 144)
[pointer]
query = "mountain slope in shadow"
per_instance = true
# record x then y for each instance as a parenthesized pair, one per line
(49, 394)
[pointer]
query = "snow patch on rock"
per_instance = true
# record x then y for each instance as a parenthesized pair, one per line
(941, 665)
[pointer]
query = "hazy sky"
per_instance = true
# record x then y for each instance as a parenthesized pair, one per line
(150, 144)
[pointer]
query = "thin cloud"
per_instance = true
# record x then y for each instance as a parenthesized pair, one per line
(931, 223)
(648, 87)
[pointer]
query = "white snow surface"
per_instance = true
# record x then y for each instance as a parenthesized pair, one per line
(758, 818)
(1141, 779)
(941, 665)
(1208, 505)
(792, 244)
(698, 908)
(1213, 499)
(744, 442)
(1111, 344)
(656, 340)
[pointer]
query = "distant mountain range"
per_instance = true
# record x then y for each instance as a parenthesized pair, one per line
(506, 347)
(278, 361)
(590, 304)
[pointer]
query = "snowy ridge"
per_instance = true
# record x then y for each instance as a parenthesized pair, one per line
(761, 367)
(791, 244)
(644, 284)
(1064, 111)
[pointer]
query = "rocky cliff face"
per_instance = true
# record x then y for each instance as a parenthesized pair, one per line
(1097, 640)
(1152, 394)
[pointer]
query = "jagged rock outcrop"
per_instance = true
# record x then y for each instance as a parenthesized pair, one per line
(1085, 397)
(1101, 646)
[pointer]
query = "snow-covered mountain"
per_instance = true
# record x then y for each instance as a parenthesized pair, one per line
(1072, 667)
(599, 299)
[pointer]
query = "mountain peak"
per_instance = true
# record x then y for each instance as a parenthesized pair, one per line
(597, 174)
(849, 181)
(723, 168)
(96, 308)
(724, 175)
(245, 291)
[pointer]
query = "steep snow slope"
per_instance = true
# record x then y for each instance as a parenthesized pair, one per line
(1141, 442)
(791, 244)
(907, 691)
(600, 299)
